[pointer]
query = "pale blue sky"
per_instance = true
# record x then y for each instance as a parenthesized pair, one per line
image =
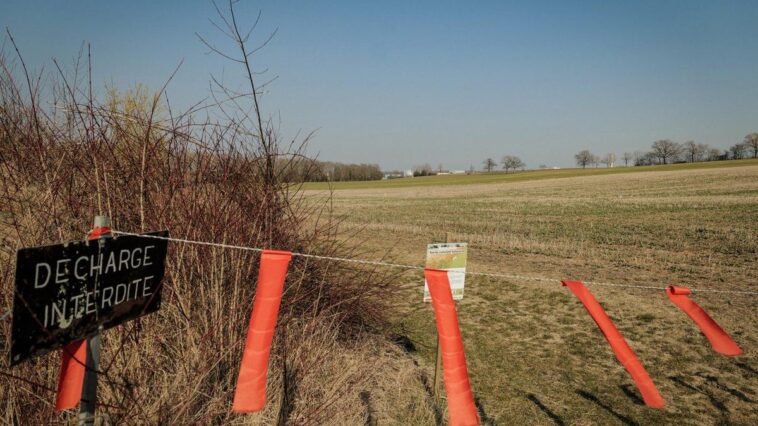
(452, 82)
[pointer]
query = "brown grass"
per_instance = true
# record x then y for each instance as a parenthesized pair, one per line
(534, 355)
(131, 157)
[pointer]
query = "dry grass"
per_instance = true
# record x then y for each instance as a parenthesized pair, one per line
(534, 354)
(150, 168)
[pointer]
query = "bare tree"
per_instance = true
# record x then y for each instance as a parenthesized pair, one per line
(666, 150)
(627, 157)
(650, 158)
(690, 147)
(252, 122)
(489, 164)
(609, 160)
(584, 158)
(738, 151)
(645, 158)
(703, 149)
(511, 162)
(695, 151)
(751, 141)
(422, 170)
(714, 154)
(638, 157)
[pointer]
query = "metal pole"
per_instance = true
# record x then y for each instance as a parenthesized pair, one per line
(438, 359)
(89, 390)
(88, 403)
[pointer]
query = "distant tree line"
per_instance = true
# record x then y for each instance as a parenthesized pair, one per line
(663, 151)
(427, 170)
(585, 158)
(339, 172)
(308, 170)
(424, 170)
(666, 151)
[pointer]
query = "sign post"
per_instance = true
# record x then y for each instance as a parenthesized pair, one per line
(70, 292)
(100, 231)
(437, 368)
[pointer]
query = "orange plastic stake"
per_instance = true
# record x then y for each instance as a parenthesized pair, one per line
(460, 399)
(620, 347)
(71, 378)
(250, 395)
(74, 358)
(720, 341)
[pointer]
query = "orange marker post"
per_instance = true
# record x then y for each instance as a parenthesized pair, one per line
(250, 394)
(460, 398)
(720, 340)
(621, 348)
(71, 377)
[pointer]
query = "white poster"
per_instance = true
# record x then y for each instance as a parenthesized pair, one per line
(450, 257)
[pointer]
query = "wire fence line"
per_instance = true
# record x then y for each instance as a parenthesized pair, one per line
(134, 399)
(421, 268)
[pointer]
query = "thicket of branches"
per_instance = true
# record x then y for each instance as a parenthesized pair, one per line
(67, 155)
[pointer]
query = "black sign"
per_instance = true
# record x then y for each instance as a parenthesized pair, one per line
(68, 292)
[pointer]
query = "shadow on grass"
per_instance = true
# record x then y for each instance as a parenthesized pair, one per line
(548, 412)
(288, 393)
(718, 404)
(713, 380)
(404, 342)
(485, 419)
(591, 397)
(366, 400)
(424, 379)
(631, 393)
(748, 369)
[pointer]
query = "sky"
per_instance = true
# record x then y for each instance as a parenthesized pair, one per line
(401, 83)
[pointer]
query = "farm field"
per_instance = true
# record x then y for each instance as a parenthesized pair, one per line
(501, 177)
(534, 355)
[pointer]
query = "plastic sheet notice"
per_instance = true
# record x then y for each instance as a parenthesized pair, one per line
(452, 258)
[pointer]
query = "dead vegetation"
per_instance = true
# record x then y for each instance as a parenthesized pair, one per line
(67, 154)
